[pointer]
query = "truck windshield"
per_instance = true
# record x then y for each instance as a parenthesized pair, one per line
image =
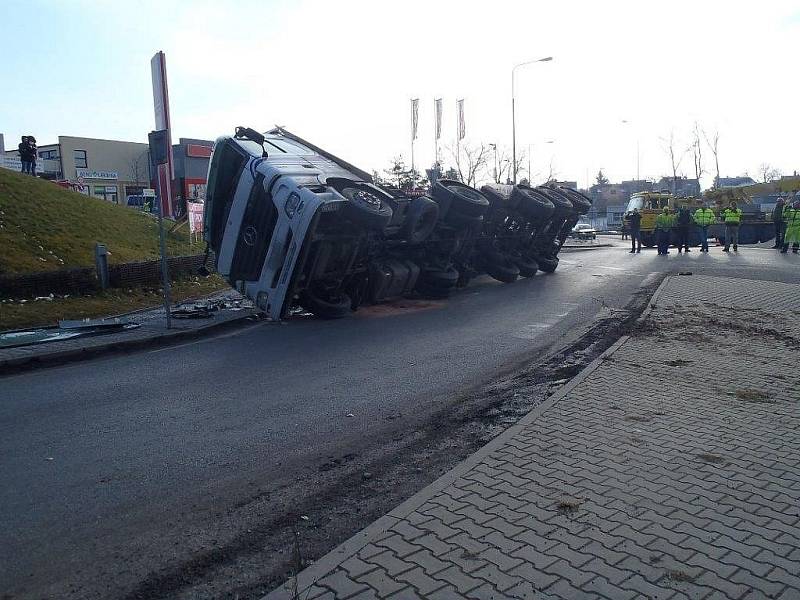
(635, 202)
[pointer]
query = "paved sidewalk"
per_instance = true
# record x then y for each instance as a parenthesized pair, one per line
(152, 331)
(668, 469)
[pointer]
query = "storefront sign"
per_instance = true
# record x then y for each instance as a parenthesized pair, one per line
(195, 210)
(198, 151)
(11, 162)
(91, 174)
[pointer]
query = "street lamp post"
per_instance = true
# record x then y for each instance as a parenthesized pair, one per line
(513, 112)
(494, 146)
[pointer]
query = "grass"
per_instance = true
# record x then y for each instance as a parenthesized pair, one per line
(112, 302)
(44, 227)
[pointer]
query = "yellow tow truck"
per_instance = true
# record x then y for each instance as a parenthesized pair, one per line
(651, 204)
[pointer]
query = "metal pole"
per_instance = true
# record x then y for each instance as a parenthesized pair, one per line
(412, 141)
(513, 132)
(162, 243)
(530, 175)
(637, 160)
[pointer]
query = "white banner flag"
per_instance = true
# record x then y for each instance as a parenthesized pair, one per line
(462, 130)
(414, 117)
(438, 110)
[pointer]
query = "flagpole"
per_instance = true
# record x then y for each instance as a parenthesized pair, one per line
(412, 138)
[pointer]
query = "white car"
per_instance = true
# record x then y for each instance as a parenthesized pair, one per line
(583, 231)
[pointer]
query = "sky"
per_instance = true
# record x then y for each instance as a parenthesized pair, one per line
(342, 73)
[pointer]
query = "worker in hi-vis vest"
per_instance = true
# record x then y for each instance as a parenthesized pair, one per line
(664, 223)
(732, 217)
(791, 216)
(704, 217)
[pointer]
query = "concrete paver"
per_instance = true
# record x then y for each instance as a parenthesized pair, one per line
(668, 469)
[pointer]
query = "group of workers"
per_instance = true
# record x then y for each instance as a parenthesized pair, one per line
(786, 217)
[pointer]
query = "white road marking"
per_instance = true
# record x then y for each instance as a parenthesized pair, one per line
(612, 268)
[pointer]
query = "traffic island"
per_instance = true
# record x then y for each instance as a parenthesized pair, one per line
(669, 468)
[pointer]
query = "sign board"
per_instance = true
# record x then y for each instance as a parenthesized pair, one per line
(195, 210)
(165, 172)
(149, 193)
(11, 162)
(111, 188)
(198, 151)
(83, 174)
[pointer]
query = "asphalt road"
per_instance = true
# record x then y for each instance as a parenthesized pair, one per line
(105, 460)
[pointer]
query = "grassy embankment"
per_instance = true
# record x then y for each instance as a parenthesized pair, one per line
(46, 228)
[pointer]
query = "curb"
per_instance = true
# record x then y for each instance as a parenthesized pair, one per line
(21, 364)
(584, 248)
(653, 304)
(335, 557)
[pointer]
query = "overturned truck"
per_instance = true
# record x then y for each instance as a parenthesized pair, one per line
(292, 226)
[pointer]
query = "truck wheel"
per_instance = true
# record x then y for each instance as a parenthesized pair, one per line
(365, 207)
(527, 266)
(504, 271)
(421, 220)
(468, 201)
(547, 265)
(438, 278)
(335, 306)
(532, 204)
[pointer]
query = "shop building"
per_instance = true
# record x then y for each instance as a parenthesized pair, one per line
(191, 158)
(108, 169)
(115, 170)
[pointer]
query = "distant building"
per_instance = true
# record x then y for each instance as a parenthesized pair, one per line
(191, 167)
(569, 184)
(108, 169)
(608, 194)
(633, 186)
(614, 215)
(723, 182)
(116, 170)
(680, 186)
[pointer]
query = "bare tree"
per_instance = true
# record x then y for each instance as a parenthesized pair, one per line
(137, 166)
(768, 173)
(697, 153)
(499, 166)
(551, 173)
(713, 144)
(675, 157)
(469, 161)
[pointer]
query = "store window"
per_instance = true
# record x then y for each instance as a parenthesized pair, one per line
(80, 159)
(48, 154)
(106, 192)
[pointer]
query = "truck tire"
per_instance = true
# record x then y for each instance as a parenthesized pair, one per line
(504, 271)
(454, 195)
(438, 278)
(532, 204)
(527, 266)
(421, 219)
(335, 306)
(547, 265)
(365, 207)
